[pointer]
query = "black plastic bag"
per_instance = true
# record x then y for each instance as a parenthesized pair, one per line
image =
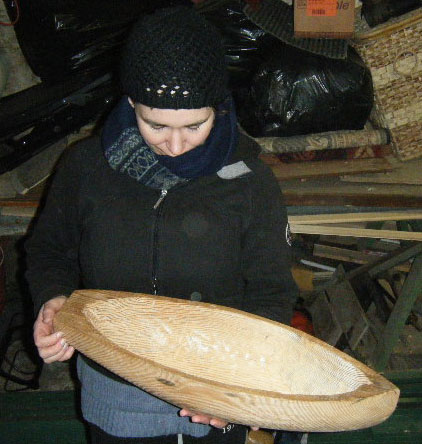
(36, 118)
(61, 37)
(295, 92)
(244, 42)
(380, 11)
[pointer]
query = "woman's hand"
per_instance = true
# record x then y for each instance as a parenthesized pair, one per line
(51, 345)
(204, 419)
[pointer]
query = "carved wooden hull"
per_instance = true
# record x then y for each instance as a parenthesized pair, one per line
(225, 362)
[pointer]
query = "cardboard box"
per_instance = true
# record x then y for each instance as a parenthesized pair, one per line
(329, 19)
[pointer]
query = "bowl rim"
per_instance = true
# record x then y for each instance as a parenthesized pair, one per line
(379, 385)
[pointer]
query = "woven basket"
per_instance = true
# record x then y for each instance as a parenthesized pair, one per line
(393, 52)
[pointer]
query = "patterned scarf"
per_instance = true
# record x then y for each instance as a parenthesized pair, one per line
(127, 152)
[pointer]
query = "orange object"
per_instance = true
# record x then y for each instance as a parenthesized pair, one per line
(321, 8)
(302, 322)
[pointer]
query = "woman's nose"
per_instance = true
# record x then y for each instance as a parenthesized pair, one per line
(175, 142)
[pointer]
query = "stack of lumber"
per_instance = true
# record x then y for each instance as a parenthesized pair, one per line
(306, 170)
(405, 173)
(376, 182)
(350, 238)
(343, 224)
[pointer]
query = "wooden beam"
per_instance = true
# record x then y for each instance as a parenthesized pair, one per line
(356, 217)
(332, 192)
(347, 309)
(300, 220)
(412, 288)
(383, 264)
(300, 170)
(403, 173)
(346, 255)
(18, 211)
(355, 232)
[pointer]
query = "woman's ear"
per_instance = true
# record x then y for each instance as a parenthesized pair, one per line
(131, 102)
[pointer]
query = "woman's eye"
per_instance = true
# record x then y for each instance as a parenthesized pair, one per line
(157, 127)
(194, 128)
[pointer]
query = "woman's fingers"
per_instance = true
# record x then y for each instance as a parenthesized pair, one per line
(51, 308)
(65, 353)
(58, 351)
(204, 419)
(55, 351)
(51, 345)
(218, 423)
(43, 337)
(68, 353)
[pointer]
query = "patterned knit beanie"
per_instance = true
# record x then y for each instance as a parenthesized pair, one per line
(174, 59)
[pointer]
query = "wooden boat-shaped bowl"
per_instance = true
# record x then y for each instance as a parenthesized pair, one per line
(226, 363)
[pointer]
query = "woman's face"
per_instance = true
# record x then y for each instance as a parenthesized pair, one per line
(173, 132)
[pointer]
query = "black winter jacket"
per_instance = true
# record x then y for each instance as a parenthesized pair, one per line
(211, 239)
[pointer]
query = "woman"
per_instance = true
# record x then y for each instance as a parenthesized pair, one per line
(170, 201)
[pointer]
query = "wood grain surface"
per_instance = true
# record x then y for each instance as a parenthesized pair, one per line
(332, 230)
(226, 363)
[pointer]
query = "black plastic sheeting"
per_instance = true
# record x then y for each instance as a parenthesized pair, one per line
(295, 92)
(245, 43)
(38, 117)
(74, 47)
(281, 90)
(59, 37)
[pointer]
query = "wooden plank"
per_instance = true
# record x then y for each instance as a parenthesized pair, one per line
(347, 309)
(404, 173)
(332, 192)
(355, 232)
(411, 290)
(300, 170)
(18, 211)
(343, 254)
(31, 199)
(303, 277)
(321, 192)
(346, 255)
(325, 323)
(356, 217)
(391, 260)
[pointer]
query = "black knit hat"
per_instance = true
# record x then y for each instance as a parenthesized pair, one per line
(174, 59)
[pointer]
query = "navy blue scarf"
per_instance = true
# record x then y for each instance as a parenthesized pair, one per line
(127, 152)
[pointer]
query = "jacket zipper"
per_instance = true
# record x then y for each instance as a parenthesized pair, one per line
(163, 194)
(157, 207)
